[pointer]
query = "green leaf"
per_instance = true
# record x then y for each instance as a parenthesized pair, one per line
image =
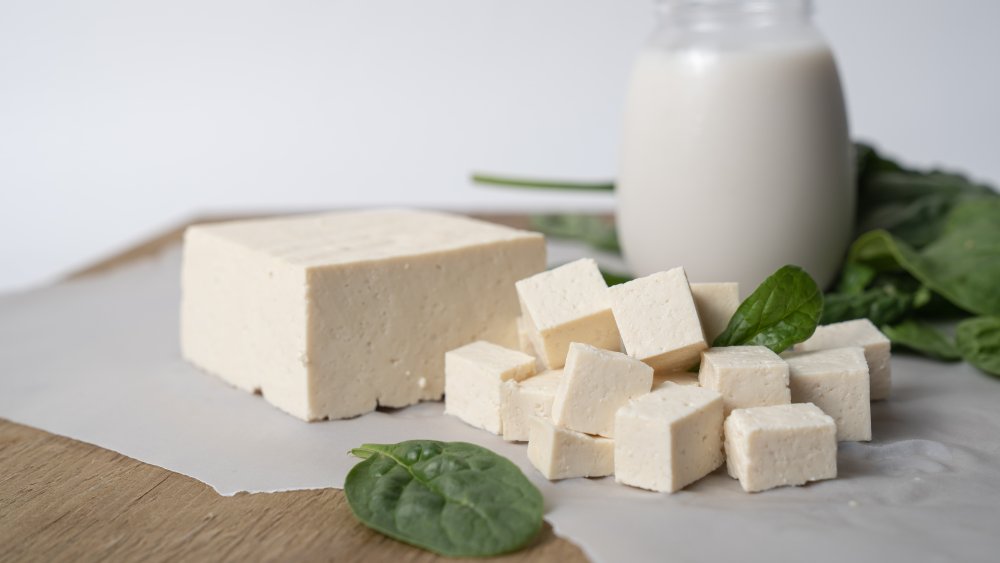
(896, 186)
(979, 341)
(981, 211)
(918, 222)
(855, 278)
(912, 205)
(452, 498)
(924, 339)
(782, 311)
(963, 265)
(881, 305)
(614, 278)
(595, 230)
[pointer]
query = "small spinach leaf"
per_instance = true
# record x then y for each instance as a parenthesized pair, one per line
(452, 498)
(979, 341)
(923, 339)
(782, 311)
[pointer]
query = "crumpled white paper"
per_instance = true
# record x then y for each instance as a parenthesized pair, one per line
(97, 360)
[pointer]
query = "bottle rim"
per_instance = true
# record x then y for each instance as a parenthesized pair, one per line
(713, 13)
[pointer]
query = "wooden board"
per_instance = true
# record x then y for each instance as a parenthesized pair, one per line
(64, 500)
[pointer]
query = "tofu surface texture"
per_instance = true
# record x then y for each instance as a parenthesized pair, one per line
(561, 453)
(678, 377)
(474, 378)
(520, 400)
(331, 315)
(658, 320)
(859, 332)
(745, 376)
(668, 438)
(594, 384)
(769, 447)
(836, 381)
(567, 304)
(524, 337)
(716, 303)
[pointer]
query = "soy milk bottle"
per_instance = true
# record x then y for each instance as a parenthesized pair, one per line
(736, 157)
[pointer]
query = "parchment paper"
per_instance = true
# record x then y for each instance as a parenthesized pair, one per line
(97, 360)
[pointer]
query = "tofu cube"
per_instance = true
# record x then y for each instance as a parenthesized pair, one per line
(745, 376)
(474, 378)
(567, 304)
(836, 381)
(668, 438)
(658, 320)
(520, 400)
(678, 377)
(525, 345)
(331, 315)
(594, 384)
(769, 447)
(716, 303)
(524, 337)
(561, 453)
(859, 332)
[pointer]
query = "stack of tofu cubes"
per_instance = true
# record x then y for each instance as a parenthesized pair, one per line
(602, 385)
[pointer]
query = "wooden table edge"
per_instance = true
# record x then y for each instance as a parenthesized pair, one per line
(62, 499)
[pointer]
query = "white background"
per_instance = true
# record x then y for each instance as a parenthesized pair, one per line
(121, 118)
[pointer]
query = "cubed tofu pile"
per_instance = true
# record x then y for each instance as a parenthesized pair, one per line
(601, 385)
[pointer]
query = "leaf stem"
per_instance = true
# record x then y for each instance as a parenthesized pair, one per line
(534, 183)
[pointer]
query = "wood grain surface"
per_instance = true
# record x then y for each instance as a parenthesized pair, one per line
(64, 500)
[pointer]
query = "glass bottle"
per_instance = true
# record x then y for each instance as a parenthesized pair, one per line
(736, 157)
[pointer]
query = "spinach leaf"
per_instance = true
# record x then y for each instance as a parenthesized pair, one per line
(595, 230)
(979, 341)
(614, 278)
(782, 311)
(452, 498)
(855, 278)
(901, 186)
(918, 222)
(924, 339)
(963, 265)
(881, 305)
(912, 205)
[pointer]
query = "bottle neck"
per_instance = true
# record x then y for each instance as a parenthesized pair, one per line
(711, 15)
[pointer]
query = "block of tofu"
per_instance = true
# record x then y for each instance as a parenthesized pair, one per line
(561, 453)
(863, 333)
(668, 438)
(836, 381)
(525, 344)
(594, 384)
(716, 303)
(567, 304)
(520, 400)
(474, 380)
(678, 377)
(524, 337)
(658, 320)
(768, 447)
(745, 376)
(331, 315)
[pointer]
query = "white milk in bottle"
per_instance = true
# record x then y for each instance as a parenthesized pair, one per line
(736, 157)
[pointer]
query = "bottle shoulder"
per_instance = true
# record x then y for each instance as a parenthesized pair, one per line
(669, 38)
